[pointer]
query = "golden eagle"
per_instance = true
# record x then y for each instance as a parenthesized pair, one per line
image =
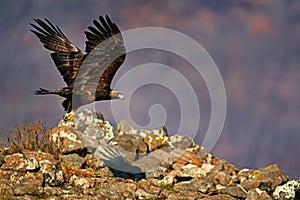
(88, 76)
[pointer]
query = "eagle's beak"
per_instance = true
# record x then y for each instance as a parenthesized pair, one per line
(120, 96)
(115, 95)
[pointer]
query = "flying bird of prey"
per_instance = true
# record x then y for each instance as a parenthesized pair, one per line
(88, 75)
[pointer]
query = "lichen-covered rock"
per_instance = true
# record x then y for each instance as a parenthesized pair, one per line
(90, 124)
(19, 162)
(29, 184)
(65, 139)
(267, 178)
(290, 190)
(93, 125)
(162, 132)
(25, 161)
(154, 139)
(52, 172)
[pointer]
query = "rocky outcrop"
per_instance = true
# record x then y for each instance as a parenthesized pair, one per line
(94, 162)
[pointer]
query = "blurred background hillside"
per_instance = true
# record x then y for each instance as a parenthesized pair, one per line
(255, 45)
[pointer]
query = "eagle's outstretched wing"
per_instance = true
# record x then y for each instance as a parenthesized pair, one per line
(88, 76)
(105, 54)
(67, 57)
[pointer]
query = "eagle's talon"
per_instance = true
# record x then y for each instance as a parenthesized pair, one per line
(69, 116)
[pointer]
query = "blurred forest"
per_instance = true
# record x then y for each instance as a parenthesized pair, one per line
(255, 45)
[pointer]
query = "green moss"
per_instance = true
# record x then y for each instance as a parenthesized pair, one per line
(98, 187)
(5, 197)
(166, 187)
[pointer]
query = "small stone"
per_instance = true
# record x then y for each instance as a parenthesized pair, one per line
(243, 174)
(251, 184)
(195, 185)
(235, 191)
(192, 170)
(130, 145)
(166, 181)
(127, 190)
(257, 194)
(123, 127)
(162, 156)
(149, 187)
(222, 178)
(79, 182)
(147, 163)
(180, 141)
(73, 160)
(93, 163)
(142, 194)
(188, 157)
(206, 168)
(223, 165)
(178, 166)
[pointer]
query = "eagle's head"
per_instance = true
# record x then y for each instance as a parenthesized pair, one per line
(115, 95)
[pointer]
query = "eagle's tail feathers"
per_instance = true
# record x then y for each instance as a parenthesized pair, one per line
(42, 91)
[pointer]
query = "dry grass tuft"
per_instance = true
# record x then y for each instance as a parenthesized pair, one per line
(31, 137)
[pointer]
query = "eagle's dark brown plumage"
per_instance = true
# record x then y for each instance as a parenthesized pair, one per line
(88, 76)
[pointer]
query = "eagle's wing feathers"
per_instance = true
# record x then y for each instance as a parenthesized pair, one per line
(66, 56)
(68, 64)
(52, 37)
(105, 54)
